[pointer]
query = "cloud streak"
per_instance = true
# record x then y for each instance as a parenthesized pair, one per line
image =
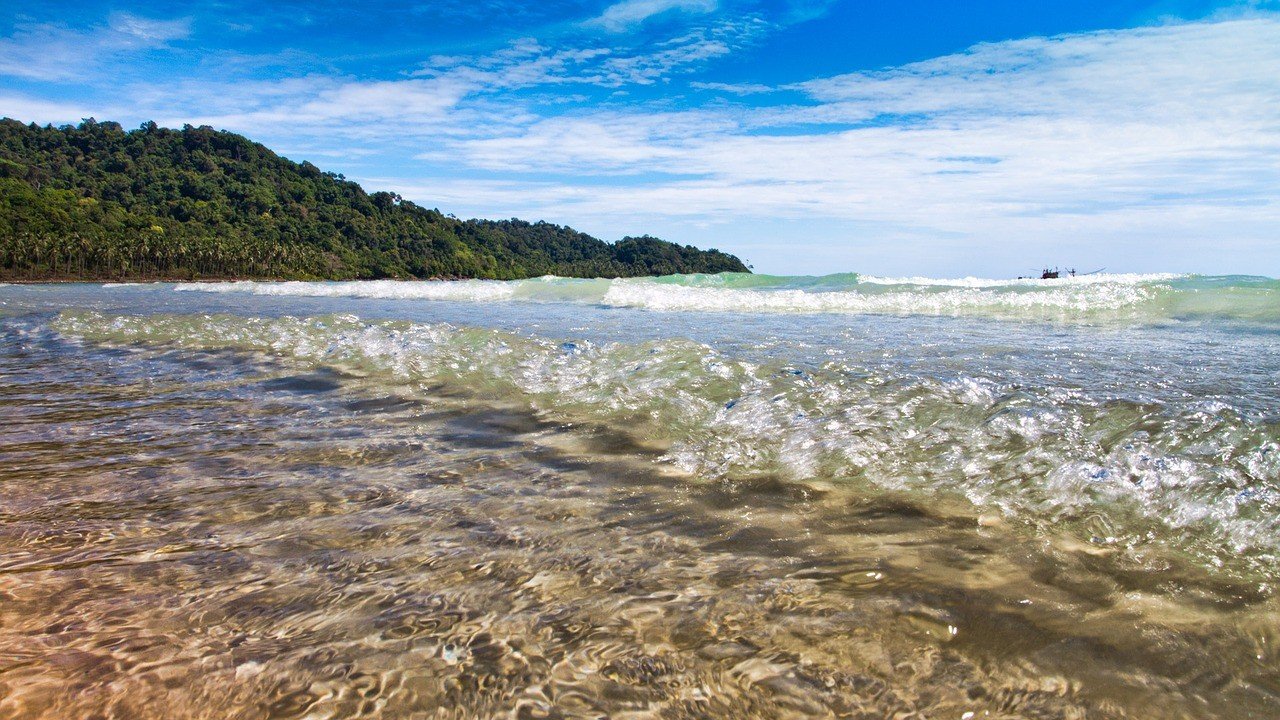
(627, 14)
(51, 52)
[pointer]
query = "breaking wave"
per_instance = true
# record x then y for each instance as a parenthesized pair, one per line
(1091, 298)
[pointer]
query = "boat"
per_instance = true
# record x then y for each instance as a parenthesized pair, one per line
(1048, 274)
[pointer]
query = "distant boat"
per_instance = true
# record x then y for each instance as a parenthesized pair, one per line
(1048, 274)
(1054, 274)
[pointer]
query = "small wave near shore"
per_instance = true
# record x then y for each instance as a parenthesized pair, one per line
(1093, 298)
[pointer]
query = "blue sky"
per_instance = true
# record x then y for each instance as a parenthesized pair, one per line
(807, 136)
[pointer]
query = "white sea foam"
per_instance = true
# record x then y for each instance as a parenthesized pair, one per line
(958, 301)
(468, 290)
(1074, 296)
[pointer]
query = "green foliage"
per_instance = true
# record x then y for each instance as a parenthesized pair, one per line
(93, 201)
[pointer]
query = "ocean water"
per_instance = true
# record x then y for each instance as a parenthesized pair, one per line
(691, 496)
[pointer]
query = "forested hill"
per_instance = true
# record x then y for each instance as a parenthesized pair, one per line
(94, 202)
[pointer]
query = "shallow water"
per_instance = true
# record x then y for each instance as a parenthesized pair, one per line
(421, 501)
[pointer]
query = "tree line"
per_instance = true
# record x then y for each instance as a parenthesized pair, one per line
(93, 201)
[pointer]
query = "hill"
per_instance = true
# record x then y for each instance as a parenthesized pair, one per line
(95, 202)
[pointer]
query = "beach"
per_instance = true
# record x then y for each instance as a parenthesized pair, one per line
(692, 496)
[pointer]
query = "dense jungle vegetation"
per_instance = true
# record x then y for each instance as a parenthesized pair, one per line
(96, 202)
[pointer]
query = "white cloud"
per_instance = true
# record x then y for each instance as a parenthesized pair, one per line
(55, 53)
(448, 97)
(523, 63)
(40, 111)
(603, 144)
(680, 53)
(630, 13)
(1138, 126)
(1137, 73)
(733, 88)
(329, 110)
(145, 32)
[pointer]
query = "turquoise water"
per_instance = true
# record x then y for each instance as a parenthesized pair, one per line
(732, 495)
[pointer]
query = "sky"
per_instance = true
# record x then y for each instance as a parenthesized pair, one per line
(917, 137)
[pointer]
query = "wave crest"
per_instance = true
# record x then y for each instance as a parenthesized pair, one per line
(1117, 297)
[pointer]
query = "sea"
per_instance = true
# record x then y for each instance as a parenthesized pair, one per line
(697, 496)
